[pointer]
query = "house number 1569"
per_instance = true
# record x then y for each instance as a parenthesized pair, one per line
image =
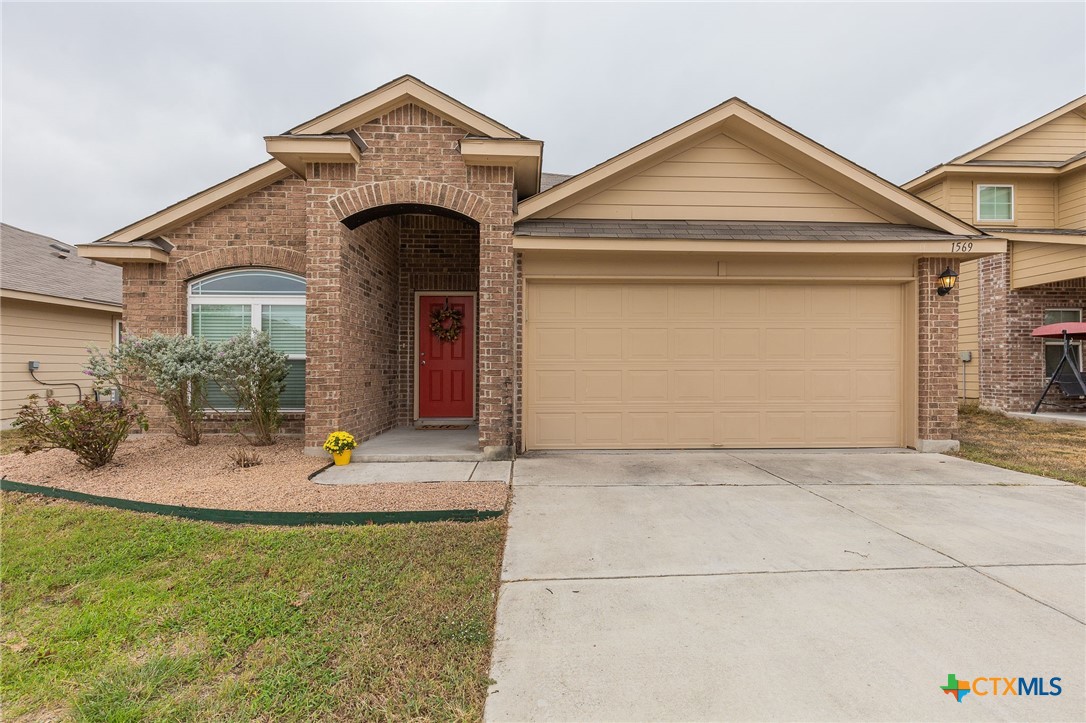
(961, 247)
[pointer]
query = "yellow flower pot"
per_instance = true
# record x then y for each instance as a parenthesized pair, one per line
(343, 457)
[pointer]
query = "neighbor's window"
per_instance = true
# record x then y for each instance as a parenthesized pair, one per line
(226, 304)
(1054, 347)
(995, 203)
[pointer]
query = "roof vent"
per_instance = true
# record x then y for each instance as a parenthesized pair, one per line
(60, 250)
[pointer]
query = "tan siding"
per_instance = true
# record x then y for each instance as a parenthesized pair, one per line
(719, 179)
(1035, 202)
(736, 266)
(57, 336)
(1071, 211)
(1034, 199)
(968, 295)
(1045, 263)
(934, 194)
(1057, 140)
(960, 197)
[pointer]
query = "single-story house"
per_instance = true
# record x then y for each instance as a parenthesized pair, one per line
(727, 283)
(53, 306)
(1028, 186)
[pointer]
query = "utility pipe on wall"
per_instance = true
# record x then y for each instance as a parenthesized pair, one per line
(33, 366)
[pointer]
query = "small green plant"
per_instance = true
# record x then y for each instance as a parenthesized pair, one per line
(170, 369)
(245, 457)
(91, 429)
(252, 374)
(339, 442)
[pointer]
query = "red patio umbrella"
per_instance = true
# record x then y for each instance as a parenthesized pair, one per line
(1074, 329)
(1071, 381)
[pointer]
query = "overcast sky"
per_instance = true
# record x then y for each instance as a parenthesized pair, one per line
(111, 112)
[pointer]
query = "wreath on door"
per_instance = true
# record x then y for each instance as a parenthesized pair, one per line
(447, 324)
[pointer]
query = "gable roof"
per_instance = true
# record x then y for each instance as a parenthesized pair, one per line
(401, 91)
(768, 136)
(1075, 105)
(391, 95)
(36, 264)
(972, 160)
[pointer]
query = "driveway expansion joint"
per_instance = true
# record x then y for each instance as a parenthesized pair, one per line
(806, 487)
(734, 573)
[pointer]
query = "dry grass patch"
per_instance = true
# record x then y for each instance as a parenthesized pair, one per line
(10, 440)
(1024, 445)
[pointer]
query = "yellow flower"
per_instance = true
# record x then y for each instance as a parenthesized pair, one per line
(339, 442)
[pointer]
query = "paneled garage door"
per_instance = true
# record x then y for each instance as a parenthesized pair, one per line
(647, 365)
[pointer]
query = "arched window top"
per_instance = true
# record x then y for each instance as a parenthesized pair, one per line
(262, 282)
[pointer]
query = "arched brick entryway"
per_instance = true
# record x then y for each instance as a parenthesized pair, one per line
(365, 203)
(361, 320)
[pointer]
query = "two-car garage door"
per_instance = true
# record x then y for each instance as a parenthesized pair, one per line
(688, 365)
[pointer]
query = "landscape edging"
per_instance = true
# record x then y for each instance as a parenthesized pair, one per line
(254, 517)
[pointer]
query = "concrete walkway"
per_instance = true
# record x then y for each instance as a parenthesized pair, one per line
(379, 472)
(786, 586)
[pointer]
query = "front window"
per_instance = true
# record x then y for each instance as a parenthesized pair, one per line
(226, 304)
(1054, 347)
(995, 203)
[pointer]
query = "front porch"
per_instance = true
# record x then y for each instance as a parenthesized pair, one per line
(394, 320)
(408, 444)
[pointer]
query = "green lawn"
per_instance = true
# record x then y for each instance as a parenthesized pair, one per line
(111, 615)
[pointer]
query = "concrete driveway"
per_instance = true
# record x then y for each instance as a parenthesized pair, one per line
(786, 586)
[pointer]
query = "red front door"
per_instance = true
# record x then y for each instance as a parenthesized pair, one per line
(446, 366)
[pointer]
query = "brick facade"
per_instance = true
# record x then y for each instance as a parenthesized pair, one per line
(263, 229)
(1011, 361)
(412, 161)
(937, 361)
(361, 282)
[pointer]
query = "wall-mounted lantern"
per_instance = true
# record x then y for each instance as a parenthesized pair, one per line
(947, 280)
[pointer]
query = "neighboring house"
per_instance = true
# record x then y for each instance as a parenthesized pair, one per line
(1028, 186)
(728, 283)
(53, 306)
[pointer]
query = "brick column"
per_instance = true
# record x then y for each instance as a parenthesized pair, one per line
(993, 284)
(496, 315)
(324, 298)
(937, 363)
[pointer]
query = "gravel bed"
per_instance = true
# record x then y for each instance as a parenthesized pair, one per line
(160, 468)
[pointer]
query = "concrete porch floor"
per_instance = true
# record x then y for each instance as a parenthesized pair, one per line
(407, 444)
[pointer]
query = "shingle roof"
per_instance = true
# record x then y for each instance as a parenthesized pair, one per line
(37, 264)
(1056, 231)
(550, 180)
(1028, 164)
(729, 230)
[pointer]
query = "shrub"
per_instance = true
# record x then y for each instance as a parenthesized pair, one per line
(252, 374)
(245, 458)
(170, 369)
(91, 429)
